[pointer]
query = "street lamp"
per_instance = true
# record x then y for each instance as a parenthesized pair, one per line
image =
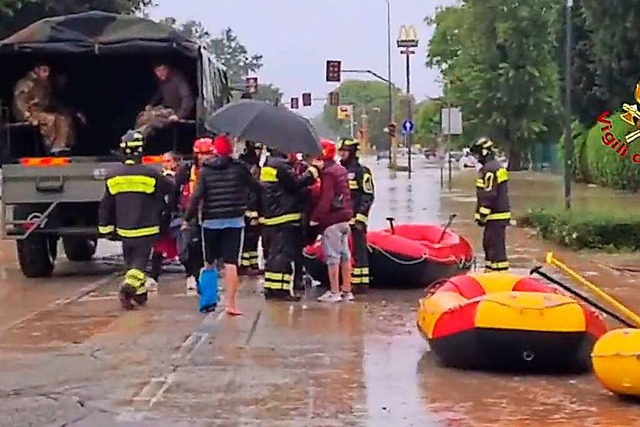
(568, 141)
(390, 86)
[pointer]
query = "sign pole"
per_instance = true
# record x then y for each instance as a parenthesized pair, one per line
(409, 135)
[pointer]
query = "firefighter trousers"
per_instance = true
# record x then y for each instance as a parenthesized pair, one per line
(249, 258)
(495, 246)
(136, 252)
(284, 256)
(360, 276)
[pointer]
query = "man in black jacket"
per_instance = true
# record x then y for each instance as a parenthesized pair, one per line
(223, 190)
(131, 210)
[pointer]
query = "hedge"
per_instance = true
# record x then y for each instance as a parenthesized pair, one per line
(597, 163)
(586, 229)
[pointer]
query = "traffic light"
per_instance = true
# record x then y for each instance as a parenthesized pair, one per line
(392, 130)
(294, 103)
(334, 70)
(306, 99)
(334, 98)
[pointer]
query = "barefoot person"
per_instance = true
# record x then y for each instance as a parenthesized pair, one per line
(223, 190)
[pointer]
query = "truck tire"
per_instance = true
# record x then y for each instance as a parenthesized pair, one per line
(79, 249)
(36, 256)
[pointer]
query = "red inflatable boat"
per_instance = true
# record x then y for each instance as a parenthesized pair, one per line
(406, 256)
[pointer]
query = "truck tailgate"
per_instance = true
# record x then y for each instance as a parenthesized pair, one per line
(74, 182)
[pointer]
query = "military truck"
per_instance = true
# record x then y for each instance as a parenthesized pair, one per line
(108, 62)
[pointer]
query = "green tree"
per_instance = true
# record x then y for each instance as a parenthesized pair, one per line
(499, 66)
(15, 14)
(229, 50)
(616, 44)
(370, 98)
(427, 121)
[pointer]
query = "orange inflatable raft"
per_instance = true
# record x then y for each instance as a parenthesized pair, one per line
(502, 321)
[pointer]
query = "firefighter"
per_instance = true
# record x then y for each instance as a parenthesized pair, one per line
(362, 196)
(493, 211)
(249, 261)
(131, 210)
(282, 206)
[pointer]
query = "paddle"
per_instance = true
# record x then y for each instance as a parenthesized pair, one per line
(444, 230)
(391, 219)
(538, 270)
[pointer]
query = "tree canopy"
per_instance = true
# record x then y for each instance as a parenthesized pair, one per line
(232, 53)
(370, 98)
(500, 67)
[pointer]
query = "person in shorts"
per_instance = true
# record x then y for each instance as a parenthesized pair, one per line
(223, 191)
(332, 215)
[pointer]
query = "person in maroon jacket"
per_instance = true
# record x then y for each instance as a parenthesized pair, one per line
(332, 215)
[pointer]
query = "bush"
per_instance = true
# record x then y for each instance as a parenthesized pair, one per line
(585, 230)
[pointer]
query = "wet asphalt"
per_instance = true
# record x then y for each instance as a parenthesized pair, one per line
(69, 356)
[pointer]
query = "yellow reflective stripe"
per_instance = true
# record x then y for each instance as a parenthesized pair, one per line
(502, 175)
(106, 229)
(261, 220)
(282, 219)
(131, 184)
(245, 263)
(484, 211)
(314, 172)
(135, 278)
(277, 276)
(138, 232)
(268, 284)
(499, 265)
(476, 215)
(352, 221)
(356, 280)
(498, 216)
(251, 214)
(364, 280)
(356, 271)
(479, 183)
(268, 174)
(353, 184)
(362, 218)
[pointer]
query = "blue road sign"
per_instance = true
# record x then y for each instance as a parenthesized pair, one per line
(407, 126)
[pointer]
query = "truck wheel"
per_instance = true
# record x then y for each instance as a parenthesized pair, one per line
(79, 249)
(36, 256)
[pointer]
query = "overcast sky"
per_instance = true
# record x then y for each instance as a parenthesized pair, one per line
(296, 37)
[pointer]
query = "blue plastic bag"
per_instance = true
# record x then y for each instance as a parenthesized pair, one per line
(208, 290)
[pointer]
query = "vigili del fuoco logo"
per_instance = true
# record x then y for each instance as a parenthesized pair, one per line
(631, 116)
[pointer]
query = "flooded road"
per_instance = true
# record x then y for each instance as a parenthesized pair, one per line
(70, 357)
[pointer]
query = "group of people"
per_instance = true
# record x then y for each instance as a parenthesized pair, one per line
(37, 100)
(234, 202)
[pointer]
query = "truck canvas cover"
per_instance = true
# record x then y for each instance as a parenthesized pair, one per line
(97, 32)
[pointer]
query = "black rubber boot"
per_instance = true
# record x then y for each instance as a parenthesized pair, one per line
(141, 299)
(127, 293)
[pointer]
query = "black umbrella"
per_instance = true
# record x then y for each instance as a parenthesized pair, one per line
(272, 125)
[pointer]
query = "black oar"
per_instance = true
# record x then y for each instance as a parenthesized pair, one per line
(391, 219)
(444, 230)
(538, 270)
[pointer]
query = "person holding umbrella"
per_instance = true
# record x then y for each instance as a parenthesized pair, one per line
(282, 206)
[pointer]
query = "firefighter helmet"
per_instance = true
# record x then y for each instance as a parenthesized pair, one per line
(348, 144)
(482, 147)
(203, 146)
(132, 144)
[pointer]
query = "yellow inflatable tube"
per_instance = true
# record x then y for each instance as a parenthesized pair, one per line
(616, 361)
